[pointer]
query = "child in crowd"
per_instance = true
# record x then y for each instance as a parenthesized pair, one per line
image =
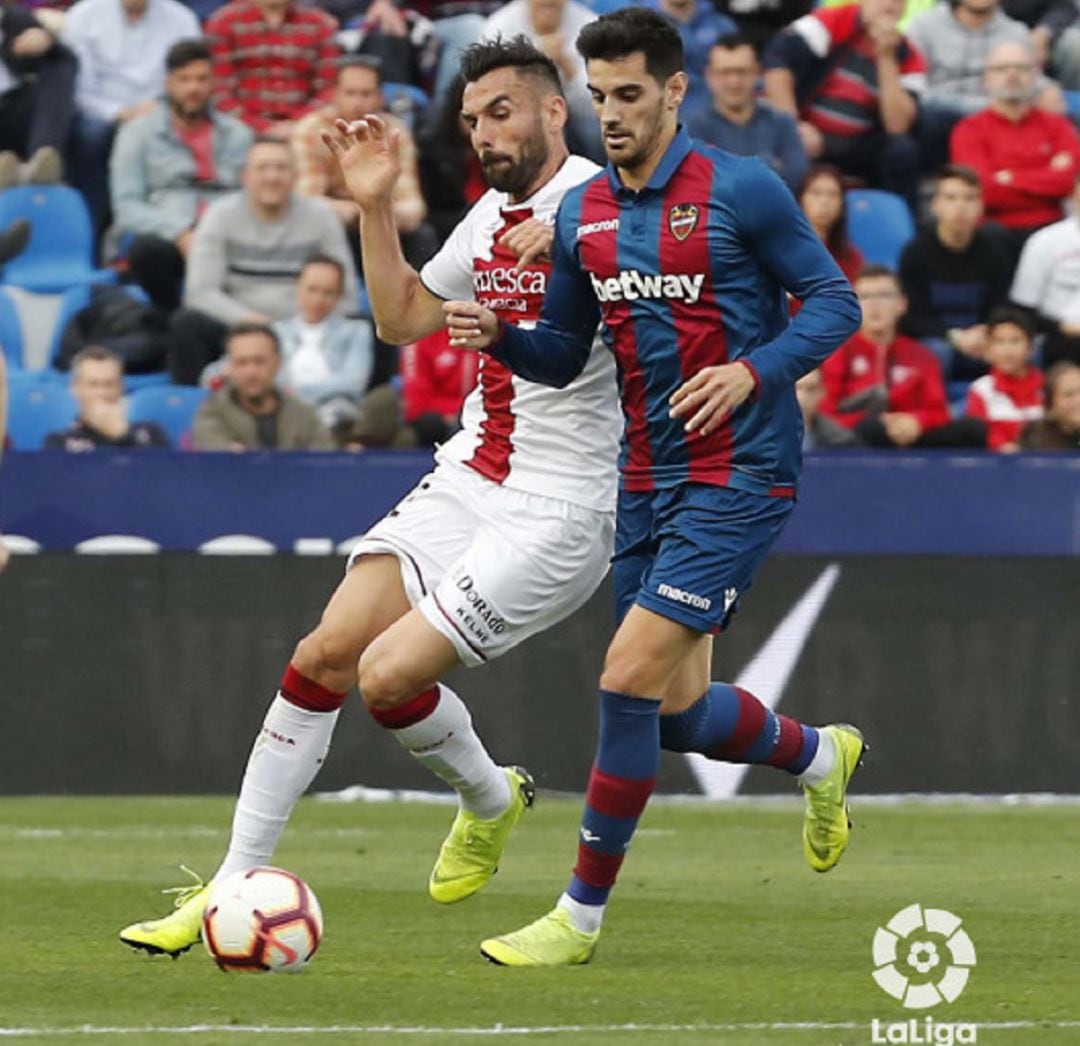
(1010, 396)
(886, 387)
(1059, 428)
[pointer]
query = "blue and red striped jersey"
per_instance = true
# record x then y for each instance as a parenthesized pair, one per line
(688, 273)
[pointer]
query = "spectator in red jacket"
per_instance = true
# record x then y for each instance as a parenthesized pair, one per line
(435, 381)
(274, 62)
(1027, 158)
(1010, 397)
(887, 387)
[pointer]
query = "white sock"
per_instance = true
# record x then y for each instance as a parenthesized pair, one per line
(585, 917)
(286, 756)
(446, 743)
(823, 761)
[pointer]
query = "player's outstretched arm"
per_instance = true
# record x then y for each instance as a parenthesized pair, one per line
(368, 153)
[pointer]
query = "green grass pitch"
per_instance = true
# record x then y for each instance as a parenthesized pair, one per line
(718, 932)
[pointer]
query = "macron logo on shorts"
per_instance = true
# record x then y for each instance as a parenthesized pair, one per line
(679, 595)
(630, 285)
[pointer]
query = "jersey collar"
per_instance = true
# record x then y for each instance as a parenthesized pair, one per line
(676, 152)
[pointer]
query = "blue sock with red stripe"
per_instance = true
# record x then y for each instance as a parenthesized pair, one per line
(728, 723)
(622, 779)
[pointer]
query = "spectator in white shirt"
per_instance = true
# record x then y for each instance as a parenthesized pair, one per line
(121, 47)
(1047, 283)
(326, 359)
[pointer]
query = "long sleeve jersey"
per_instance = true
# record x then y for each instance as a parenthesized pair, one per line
(688, 273)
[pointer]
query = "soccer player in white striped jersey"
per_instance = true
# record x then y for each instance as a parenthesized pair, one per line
(509, 534)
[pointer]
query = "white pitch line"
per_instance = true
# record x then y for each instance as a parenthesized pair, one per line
(493, 1030)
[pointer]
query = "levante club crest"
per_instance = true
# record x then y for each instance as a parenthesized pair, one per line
(682, 220)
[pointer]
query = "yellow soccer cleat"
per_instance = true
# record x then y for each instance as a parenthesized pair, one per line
(175, 933)
(550, 941)
(826, 826)
(470, 854)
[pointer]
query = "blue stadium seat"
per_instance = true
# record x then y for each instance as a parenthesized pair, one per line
(406, 101)
(173, 407)
(36, 408)
(61, 249)
(879, 224)
(76, 298)
(10, 331)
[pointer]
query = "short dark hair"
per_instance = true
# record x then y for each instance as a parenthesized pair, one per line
(319, 258)
(958, 172)
(479, 59)
(96, 354)
(184, 52)
(241, 330)
(629, 30)
(268, 139)
(371, 62)
(874, 271)
(733, 41)
(1011, 314)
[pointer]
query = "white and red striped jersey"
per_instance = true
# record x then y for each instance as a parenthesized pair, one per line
(561, 443)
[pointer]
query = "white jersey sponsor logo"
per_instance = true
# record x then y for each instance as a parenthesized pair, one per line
(509, 281)
(560, 444)
(630, 285)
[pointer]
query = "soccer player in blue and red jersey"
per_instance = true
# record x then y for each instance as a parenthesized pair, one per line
(684, 254)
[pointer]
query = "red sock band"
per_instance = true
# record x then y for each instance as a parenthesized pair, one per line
(789, 747)
(748, 727)
(408, 714)
(298, 690)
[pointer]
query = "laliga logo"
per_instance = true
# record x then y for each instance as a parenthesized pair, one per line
(949, 962)
(922, 957)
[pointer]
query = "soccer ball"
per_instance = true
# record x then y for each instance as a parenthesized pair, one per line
(264, 920)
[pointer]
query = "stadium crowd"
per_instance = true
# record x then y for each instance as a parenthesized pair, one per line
(232, 259)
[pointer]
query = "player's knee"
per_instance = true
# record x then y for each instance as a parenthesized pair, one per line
(382, 681)
(325, 651)
(625, 673)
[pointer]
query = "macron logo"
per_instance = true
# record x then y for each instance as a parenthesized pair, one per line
(730, 595)
(680, 595)
(630, 285)
(607, 225)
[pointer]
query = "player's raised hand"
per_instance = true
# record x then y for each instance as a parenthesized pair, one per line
(471, 326)
(711, 395)
(530, 241)
(369, 155)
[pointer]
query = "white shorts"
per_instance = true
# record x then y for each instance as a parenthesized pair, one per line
(489, 566)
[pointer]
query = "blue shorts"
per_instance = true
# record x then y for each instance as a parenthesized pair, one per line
(689, 553)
